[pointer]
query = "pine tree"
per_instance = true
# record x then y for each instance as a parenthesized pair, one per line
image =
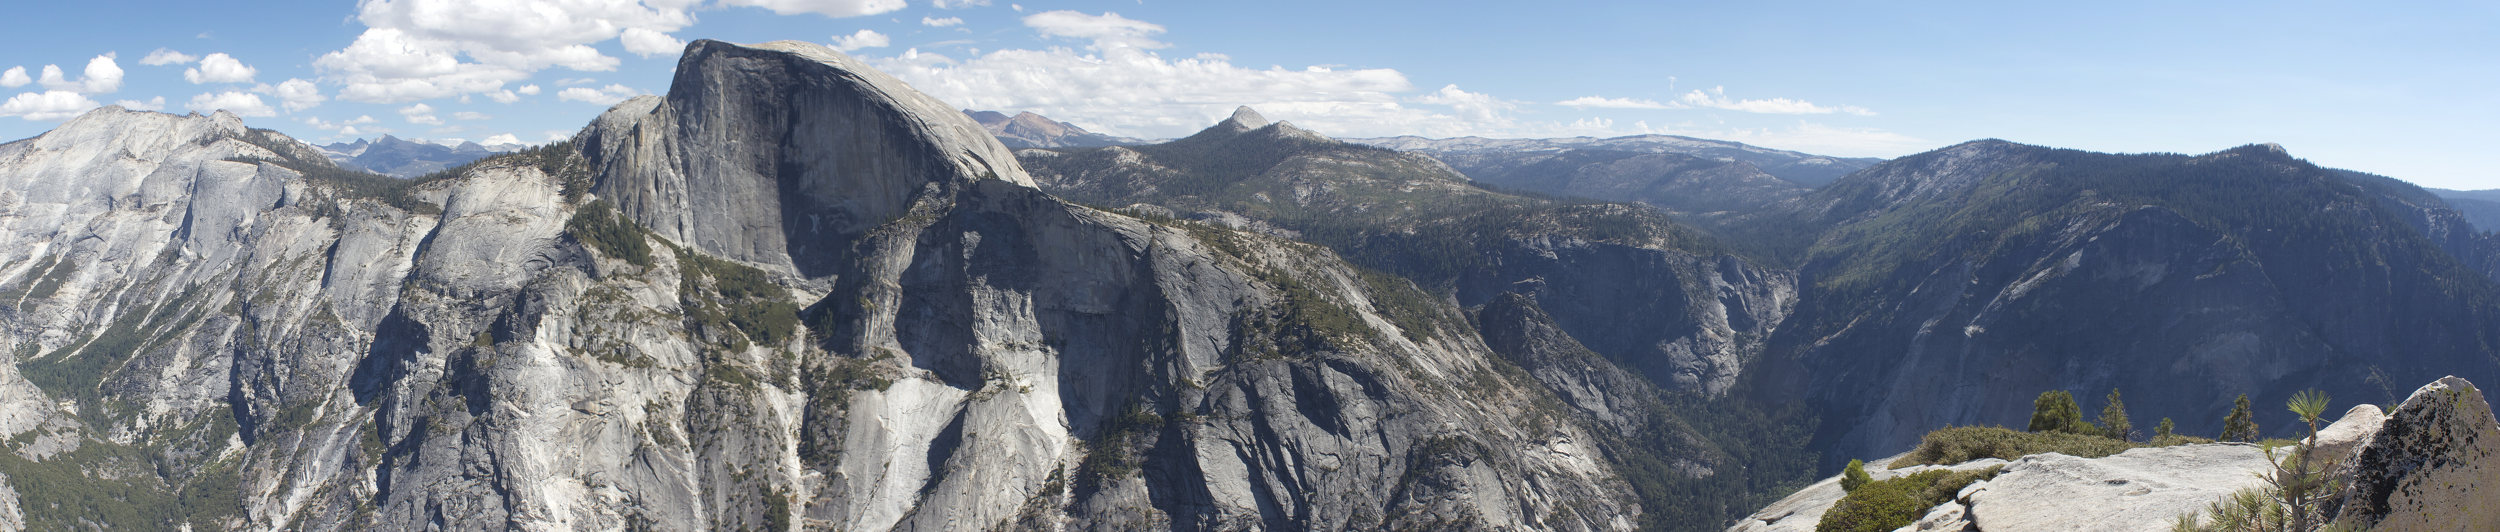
(2114, 419)
(2162, 432)
(2239, 426)
(2055, 411)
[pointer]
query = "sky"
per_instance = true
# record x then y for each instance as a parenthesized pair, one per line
(2405, 91)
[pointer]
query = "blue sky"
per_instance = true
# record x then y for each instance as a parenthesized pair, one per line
(2407, 92)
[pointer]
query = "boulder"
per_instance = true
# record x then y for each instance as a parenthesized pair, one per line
(2343, 439)
(2141, 489)
(2435, 465)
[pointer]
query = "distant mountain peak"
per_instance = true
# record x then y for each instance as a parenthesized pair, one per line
(1244, 119)
(1028, 129)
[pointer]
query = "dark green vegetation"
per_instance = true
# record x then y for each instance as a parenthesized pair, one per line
(599, 226)
(2240, 425)
(1884, 505)
(174, 480)
(2055, 411)
(734, 304)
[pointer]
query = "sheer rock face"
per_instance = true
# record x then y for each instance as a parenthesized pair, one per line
(823, 300)
(2434, 466)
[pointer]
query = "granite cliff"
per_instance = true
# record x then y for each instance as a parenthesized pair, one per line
(791, 293)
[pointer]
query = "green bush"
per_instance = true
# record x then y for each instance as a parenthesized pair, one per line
(1854, 476)
(599, 226)
(1885, 505)
(1954, 445)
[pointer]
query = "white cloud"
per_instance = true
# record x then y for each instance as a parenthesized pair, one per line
(102, 76)
(15, 77)
(422, 49)
(420, 114)
(1479, 107)
(609, 95)
(554, 135)
(469, 115)
(295, 94)
(153, 104)
(503, 96)
(220, 68)
(47, 105)
(1134, 92)
(960, 4)
(863, 39)
(162, 57)
(361, 120)
(239, 103)
(1107, 30)
(1716, 98)
(531, 90)
(1613, 103)
(575, 81)
(935, 22)
(647, 43)
(506, 138)
(830, 8)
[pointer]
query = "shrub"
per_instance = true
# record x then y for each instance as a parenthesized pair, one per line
(1854, 476)
(2162, 432)
(1894, 503)
(1954, 445)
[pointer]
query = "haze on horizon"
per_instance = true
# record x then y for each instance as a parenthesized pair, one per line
(2398, 92)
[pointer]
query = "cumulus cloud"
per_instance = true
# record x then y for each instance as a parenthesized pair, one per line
(15, 77)
(1135, 92)
(101, 76)
(1479, 107)
(220, 68)
(1716, 98)
(960, 4)
(1612, 103)
(47, 105)
(239, 103)
(506, 138)
(531, 90)
(294, 94)
(1106, 31)
(935, 22)
(645, 42)
(422, 49)
(861, 40)
(153, 104)
(503, 96)
(609, 95)
(162, 57)
(830, 8)
(420, 114)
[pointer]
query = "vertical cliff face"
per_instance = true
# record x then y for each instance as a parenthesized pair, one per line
(793, 292)
(1956, 285)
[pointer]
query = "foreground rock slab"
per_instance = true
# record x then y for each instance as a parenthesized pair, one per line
(2141, 489)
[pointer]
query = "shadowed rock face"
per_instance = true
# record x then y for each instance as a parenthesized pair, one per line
(793, 292)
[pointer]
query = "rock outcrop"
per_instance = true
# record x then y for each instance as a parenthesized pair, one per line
(792, 293)
(1801, 511)
(2141, 489)
(2434, 466)
(2430, 464)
